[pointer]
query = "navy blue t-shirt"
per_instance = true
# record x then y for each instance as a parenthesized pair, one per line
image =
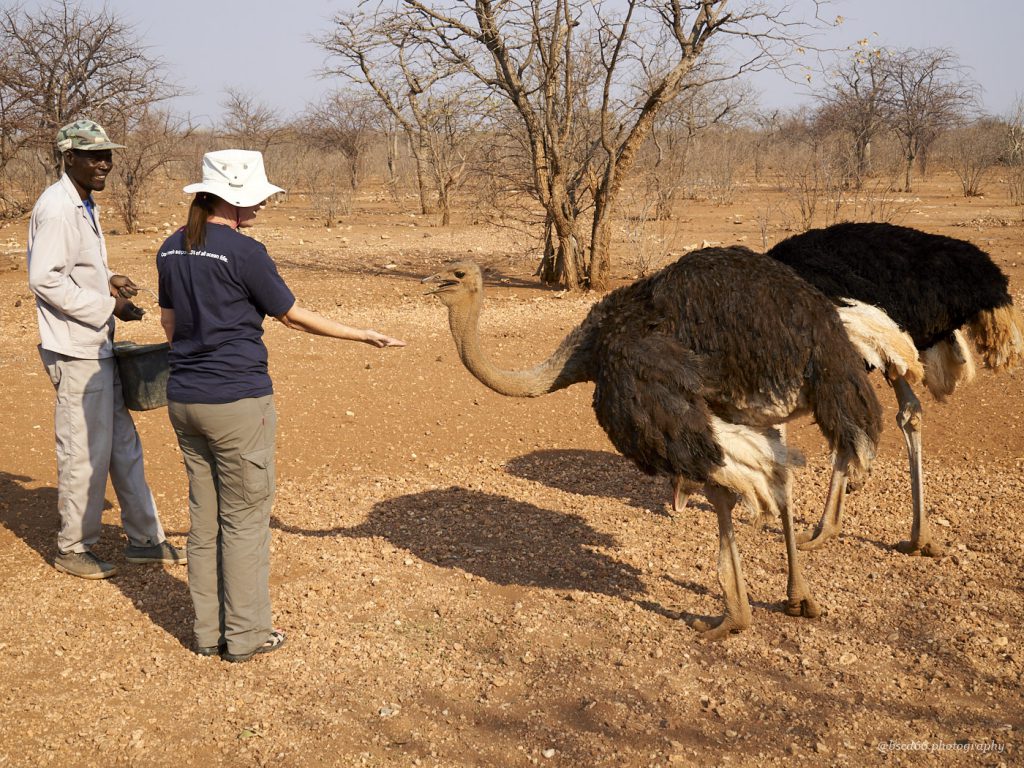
(220, 295)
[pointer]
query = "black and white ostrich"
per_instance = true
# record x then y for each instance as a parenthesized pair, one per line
(693, 367)
(932, 287)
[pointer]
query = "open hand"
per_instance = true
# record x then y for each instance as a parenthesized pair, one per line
(380, 340)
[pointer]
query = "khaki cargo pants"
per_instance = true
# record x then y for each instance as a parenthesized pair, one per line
(96, 438)
(229, 458)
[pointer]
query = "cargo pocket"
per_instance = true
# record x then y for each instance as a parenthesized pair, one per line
(256, 475)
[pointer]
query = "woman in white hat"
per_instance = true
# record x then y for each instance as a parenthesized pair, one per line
(216, 288)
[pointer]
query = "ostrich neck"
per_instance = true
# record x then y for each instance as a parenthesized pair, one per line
(567, 365)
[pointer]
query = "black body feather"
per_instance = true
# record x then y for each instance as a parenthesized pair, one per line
(930, 285)
(722, 331)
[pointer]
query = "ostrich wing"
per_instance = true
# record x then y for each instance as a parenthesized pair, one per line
(648, 399)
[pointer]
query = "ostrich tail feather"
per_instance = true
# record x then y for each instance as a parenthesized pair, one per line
(998, 335)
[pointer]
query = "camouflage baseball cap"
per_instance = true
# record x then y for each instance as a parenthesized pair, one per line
(84, 134)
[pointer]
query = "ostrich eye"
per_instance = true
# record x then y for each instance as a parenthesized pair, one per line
(460, 274)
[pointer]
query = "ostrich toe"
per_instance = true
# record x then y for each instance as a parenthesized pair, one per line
(810, 541)
(719, 628)
(805, 607)
(921, 549)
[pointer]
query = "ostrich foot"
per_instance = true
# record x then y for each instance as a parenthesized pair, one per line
(920, 549)
(808, 542)
(719, 627)
(805, 607)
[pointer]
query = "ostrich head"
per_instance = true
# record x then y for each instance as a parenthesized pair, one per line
(461, 282)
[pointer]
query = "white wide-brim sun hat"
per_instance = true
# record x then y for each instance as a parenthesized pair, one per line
(235, 175)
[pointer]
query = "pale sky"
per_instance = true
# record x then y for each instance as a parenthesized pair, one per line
(263, 48)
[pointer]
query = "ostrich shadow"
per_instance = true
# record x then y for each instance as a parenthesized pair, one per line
(30, 514)
(502, 540)
(595, 473)
(507, 542)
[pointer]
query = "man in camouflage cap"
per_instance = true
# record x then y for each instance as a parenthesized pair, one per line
(77, 299)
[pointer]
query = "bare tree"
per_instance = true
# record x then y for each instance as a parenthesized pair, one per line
(768, 129)
(16, 131)
(438, 115)
(249, 123)
(344, 122)
(589, 74)
(676, 132)
(154, 142)
(62, 63)
(1014, 154)
(973, 152)
(856, 102)
(324, 172)
(928, 92)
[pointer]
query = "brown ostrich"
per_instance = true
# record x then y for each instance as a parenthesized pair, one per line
(693, 368)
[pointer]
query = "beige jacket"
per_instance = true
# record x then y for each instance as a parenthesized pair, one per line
(68, 273)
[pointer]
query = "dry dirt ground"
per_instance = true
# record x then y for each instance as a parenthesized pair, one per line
(472, 580)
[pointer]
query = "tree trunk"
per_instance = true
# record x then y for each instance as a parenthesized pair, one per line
(862, 150)
(600, 248)
(908, 170)
(444, 206)
(563, 262)
(427, 206)
(550, 264)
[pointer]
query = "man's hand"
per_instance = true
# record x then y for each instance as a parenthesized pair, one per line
(125, 310)
(121, 285)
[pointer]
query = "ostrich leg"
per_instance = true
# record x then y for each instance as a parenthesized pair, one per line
(909, 421)
(730, 573)
(832, 517)
(798, 597)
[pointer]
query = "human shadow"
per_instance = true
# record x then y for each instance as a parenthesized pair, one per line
(595, 473)
(31, 515)
(503, 540)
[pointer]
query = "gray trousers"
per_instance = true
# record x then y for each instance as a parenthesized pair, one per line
(229, 458)
(96, 437)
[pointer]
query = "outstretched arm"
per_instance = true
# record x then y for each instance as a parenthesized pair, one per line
(309, 321)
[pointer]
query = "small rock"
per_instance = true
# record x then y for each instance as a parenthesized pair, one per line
(548, 753)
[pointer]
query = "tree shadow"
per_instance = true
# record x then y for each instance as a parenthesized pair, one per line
(500, 539)
(31, 515)
(595, 473)
(494, 276)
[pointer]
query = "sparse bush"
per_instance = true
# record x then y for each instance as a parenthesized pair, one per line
(973, 152)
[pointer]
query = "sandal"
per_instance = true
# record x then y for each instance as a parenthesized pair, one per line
(275, 641)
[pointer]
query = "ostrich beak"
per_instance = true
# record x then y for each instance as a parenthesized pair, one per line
(441, 284)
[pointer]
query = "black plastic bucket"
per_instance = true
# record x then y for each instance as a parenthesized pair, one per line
(144, 371)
